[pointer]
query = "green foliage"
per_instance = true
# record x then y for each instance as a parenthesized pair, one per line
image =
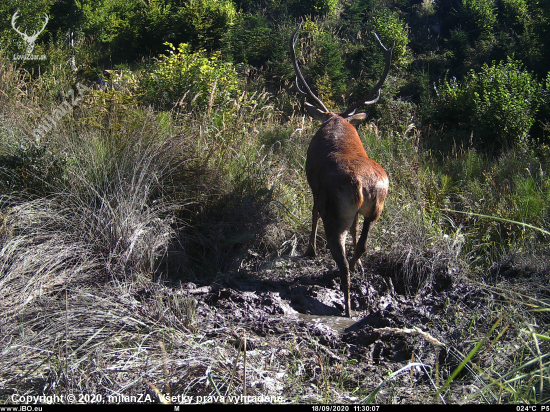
(302, 8)
(367, 17)
(499, 103)
(106, 18)
(294, 8)
(458, 42)
(204, 23)
(516, 13)
(190, 79)
(492, 30)
(128, 29)
(393, 32)
(112, 24)
(482, 13)
(365, 62)
(326, 64)
(506, 100)
(251, 41)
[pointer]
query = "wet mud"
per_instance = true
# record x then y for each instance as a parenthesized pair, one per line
(297, 300)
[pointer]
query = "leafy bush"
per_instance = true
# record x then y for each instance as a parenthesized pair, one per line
(482, 13)
(312, 7)
(324, 62)
(190, 79)
(204, 23)
(112, 24)
(130, 29)
(295, 8)
(516, 13)
(394, 33)
(251, 41)
(366, 17)
(506, 101)
(364, 59)
(499, 103)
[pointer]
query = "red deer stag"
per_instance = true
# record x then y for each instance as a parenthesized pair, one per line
(343, 180)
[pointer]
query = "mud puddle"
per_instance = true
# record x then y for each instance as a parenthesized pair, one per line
(298, 303)
(338, 323)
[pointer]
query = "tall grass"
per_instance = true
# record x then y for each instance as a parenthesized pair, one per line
(86, 217)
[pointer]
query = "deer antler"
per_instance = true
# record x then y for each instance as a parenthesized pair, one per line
(299, 74)
(371, 97)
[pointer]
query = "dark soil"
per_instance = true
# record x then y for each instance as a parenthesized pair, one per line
(296, 302)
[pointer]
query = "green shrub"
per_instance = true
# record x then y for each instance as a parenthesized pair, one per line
(325, 63)
(516, 13)
(191, 79)
(302, 8)
(482, 13)
(499, 103)
(127, 30)
(294, 8)
(204, 23)
(112, 24)
(506, 101)
(251, 41)
(394, 33)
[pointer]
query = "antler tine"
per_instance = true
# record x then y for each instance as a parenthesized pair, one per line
(369, 98)
(298, 87)
(299, 75)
